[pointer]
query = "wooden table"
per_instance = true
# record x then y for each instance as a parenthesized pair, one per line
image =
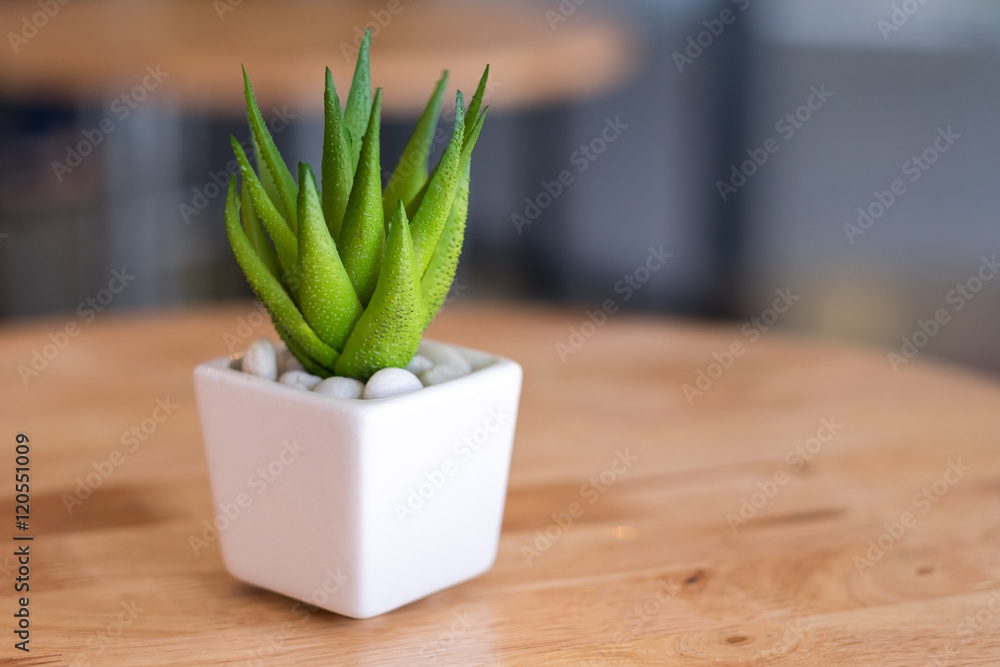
(651, 573)
(97, 50)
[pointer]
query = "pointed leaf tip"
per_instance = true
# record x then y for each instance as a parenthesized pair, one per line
(337, 168)
(410, 173)
(268, 156)
(359, 99)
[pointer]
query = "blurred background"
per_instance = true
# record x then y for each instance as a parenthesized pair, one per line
(838, 156)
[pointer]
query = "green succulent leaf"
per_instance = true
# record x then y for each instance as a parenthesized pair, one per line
(268, 156)
(326, 296)
(359, 100)
(436, 283)
(337, 170)
(410, 173)
(279, 304)
(473, 138)
(388, 333)
(477, 103)
(435, 204)
(285, 244)
(440, 274)
(258, 237)
(265, 176)
(362, 237)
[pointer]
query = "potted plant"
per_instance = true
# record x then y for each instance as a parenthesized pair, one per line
(356, 468)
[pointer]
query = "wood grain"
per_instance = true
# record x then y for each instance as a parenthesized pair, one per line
(651, 573)
(98, 50)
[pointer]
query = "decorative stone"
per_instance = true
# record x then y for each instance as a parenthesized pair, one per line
(288, 362)
(299, 380)
(261, 360)
(392, 382)
(339, 387)
(419, 364)
(440, 373)
(443, 355)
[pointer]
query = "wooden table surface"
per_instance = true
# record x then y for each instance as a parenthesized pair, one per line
(882, 549)
(97, 50)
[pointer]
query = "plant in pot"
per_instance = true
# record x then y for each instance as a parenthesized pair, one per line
(356, 467)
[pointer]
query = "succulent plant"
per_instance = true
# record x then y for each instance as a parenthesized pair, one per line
(352, 273)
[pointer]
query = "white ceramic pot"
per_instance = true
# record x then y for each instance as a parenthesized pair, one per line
(358, 506)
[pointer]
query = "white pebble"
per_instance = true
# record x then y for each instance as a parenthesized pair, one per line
(419, 364)
(441, 373)
(341, 387)
(392, 382)
(444, 355)
(288, 362)
(299, 380)
(261, 360)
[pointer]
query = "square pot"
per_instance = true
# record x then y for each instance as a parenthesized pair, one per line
(358, 506)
